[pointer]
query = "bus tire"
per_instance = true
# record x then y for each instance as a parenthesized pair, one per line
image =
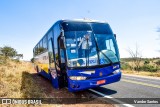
(37, 69)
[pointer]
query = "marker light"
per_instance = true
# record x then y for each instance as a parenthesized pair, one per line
(77, 78)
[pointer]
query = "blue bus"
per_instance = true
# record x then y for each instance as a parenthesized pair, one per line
(78, 54)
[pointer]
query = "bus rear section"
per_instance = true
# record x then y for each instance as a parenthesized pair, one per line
(86, 55)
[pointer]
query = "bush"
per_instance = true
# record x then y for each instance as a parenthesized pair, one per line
(157, 62)
(125, 66)
(32, 60)
(149, 68)
(146, 62)
(2, 60)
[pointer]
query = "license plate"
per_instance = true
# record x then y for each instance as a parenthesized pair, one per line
(101, 82)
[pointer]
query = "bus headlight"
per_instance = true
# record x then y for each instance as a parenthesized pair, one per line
(77, 77)
(116, 71)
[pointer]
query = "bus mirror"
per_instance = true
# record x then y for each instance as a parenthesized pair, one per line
(115, 36)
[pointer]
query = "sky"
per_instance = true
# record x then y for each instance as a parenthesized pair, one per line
(24, 22)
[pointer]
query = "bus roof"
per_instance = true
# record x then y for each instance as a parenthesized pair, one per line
(72, 20)
(82, 20)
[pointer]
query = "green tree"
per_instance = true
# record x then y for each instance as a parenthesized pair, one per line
(8, 51)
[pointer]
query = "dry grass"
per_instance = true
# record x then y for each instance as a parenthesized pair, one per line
(143, 73)
(16, 80)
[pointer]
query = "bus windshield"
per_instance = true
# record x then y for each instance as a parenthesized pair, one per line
(84, 48)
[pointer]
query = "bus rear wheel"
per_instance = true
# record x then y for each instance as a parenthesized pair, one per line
(37, 69)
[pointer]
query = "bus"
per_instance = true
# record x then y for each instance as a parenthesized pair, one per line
(78, 54)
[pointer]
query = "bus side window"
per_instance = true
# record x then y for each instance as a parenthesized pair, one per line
(41, 49)
(38, 49)
(56, 56)
(62, 55)
(45, 43)
(50, 52)
(56, 34)
(34, 52)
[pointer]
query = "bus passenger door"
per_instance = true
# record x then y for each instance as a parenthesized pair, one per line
(62, 63)
(52, 68)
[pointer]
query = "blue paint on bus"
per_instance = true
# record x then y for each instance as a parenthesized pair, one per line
(78, 54)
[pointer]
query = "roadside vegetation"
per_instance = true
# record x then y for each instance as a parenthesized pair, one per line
(147, 66)
(138, 65)
(16, 77)
(16, 80)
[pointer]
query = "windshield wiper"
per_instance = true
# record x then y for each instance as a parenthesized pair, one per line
(101, 51)
(98, 50)
(87, 56)
(106, 57)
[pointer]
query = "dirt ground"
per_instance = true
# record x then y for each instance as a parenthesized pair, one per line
(20, 80)
(85, 99)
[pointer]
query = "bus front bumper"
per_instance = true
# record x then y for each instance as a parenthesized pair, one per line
(75, 85)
